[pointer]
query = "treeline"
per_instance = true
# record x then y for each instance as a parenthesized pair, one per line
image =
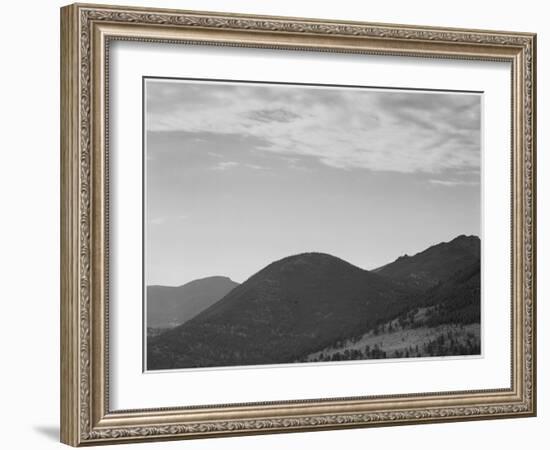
(351, 354)
(450, 344)
(455, 342)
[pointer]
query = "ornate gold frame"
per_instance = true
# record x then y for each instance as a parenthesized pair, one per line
(86, 31)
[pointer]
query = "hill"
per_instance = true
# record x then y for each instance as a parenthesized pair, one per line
(287, 309)
(169, 306)
(305, 304)
(443, 320)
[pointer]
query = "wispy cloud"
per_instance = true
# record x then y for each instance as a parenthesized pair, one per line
(453, 183)
(225, 165)
(253, 166)
(407, 132)
(280, 115)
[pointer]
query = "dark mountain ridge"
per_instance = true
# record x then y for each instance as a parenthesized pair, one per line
(306, 302)
(324, 278)
(292, 305)
(436, 263)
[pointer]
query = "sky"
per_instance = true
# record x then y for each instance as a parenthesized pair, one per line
(239, 175)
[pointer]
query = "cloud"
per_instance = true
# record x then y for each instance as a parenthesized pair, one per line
(273, 115)
(253, 166)
(454, 183)
(225, 165)
(407, 132)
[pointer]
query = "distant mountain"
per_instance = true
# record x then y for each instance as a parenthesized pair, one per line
(435, 264)
(290, 307)
(169, 306)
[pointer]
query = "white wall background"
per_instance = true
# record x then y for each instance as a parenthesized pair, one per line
(29, 227)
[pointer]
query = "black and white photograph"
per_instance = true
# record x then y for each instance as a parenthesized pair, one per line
(300, 223)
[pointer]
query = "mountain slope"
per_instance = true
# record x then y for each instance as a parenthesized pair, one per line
(435, 264)
(289, 308)
(169, 306)
(443, 320)
(456, 300)
(305, 303)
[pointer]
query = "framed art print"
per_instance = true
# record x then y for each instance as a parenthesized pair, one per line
(282, 202)
(274, 224)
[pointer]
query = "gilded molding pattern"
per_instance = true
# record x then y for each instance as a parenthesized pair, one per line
(310, 422)
(295, 26)
(85, 225)
(88, 15)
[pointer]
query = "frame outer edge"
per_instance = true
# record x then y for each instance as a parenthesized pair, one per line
(69, 361)
(79, 390)
(534, 374)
